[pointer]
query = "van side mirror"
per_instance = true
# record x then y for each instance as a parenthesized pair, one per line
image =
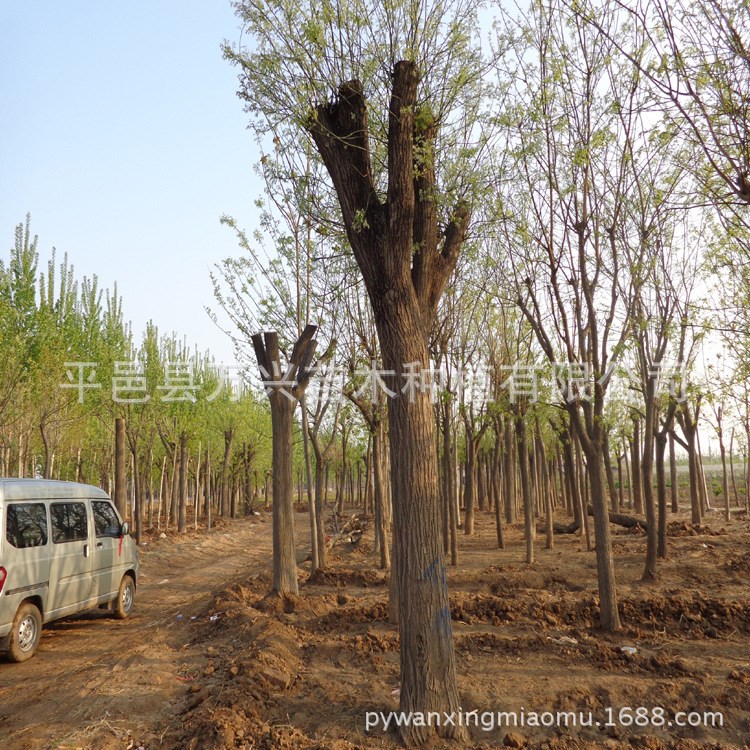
(125, 529)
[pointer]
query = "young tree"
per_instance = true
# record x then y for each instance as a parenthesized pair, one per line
(573, 149)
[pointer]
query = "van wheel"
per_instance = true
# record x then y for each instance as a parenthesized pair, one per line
(125, 598)
(25, 633)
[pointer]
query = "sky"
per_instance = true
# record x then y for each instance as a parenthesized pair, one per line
(123, 137)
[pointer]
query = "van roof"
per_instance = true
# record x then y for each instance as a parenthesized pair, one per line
(46, 489)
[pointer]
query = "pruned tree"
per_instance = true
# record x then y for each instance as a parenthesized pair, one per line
(405, 266)
(373, 86)
(284, 389)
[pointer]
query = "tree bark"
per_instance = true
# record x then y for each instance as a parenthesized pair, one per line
(497, 481)
(380, 509)
(470, 483)
(637, 475)
(649, 572)
(320, 512)
(182, 511)
(546, 492)
(48, 455)
(661, 494)
(735, 493)
(174, 488)
(608, 612)
(581, 501)
(620, 519)
(284, 555)
(609, 473)
(571, 476)
(121, 491)
(225, 477)
(209, 492)
(673, 478)
(629, 475)
(724, 474)
(528, 500)
(509, 475)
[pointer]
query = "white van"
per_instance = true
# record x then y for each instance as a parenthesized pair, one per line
(63, 549)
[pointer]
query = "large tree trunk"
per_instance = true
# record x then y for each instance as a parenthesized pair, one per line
(620, 519)
(427, 660)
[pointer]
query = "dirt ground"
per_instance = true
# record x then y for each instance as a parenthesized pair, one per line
(254, 671)
(100, 683)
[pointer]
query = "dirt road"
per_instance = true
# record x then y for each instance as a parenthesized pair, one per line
(100, 683)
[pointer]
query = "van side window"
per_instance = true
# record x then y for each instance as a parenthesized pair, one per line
(26, 525)
(106, 522)
(69, 522)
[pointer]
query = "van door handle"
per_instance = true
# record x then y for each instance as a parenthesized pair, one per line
(99, 544)
(86, 550)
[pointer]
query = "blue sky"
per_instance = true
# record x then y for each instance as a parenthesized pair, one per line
(123, 137)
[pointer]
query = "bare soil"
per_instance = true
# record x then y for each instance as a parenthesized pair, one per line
(253, 670)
